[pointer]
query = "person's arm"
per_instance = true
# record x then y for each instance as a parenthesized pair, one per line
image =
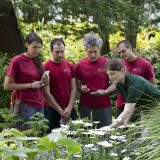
(153, 81)
(68, 109)
(124, 116)
(82, 88)
(101, 92)
(9, 84)
(51, 100)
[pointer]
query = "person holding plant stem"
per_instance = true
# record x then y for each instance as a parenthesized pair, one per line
(137, 91)
(62, 86)
(24, 76)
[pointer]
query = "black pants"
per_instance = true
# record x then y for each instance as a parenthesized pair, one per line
(54, 117)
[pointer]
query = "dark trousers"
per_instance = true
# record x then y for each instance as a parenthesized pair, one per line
(103, 115)
(54, 117)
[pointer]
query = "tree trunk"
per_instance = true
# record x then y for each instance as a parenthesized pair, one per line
(131, 28)
(11, 40)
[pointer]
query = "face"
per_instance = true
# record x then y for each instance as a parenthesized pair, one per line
(93, 53)
(58, 52)
(33, 49)
(115, 76)
(124, 52)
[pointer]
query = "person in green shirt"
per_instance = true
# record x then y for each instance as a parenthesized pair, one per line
(136, 90)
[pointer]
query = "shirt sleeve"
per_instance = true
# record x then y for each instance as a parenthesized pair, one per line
(13, 68)
(73, 70)
(149, 71)
(135, 93)
(78, 72)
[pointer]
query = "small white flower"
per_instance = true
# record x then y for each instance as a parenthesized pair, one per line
(89, 145)
(94, 132)
(77, 156)
(123, 151)
(96, 122)
(126, 158)
(76, 122)
(105, 144)
(114, 154)
(88, 124)
(114, 137)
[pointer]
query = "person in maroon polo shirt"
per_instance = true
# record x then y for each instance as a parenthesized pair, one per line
(62, 86)
(24, 75)
(91, 76)
(135, 65)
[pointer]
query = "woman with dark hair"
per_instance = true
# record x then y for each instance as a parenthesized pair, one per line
(137, 91)
(24, 75)
(61, 91)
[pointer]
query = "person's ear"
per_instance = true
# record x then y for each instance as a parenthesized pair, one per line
(26, 45)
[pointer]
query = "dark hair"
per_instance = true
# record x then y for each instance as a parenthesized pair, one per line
(126, 43)
(31, 37)
(114, 65)
(56, 41)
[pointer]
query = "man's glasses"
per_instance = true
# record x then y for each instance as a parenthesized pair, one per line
(122, 51)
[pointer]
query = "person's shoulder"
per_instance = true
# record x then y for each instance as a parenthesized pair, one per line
(69, 63)
(47, 63)
(17, 58)
(143, 60)
(83, 60)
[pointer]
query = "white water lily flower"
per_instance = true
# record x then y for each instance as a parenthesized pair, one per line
(88, 124)
(105, 144)
(99, 133)
(89, 145)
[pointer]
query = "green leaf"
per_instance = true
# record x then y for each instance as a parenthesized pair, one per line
(16, 133)
(46, 143)
(72, 146)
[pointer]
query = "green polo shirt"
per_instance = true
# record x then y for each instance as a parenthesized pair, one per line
(138, 90)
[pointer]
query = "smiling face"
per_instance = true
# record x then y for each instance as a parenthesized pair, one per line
(93, 53)
(33, 49)
(124, 52)
(58, 52)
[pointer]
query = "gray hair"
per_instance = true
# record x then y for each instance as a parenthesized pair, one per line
(92, 39)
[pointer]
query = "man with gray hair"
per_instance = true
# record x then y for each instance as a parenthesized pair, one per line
(91, 77)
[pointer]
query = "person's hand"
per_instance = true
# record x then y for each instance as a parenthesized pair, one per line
(84, 89)
(106, 128)
(37, 84)
(67, 113)
(45, 78)
(99, 92)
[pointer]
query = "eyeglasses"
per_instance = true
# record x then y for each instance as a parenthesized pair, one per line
(122, 51)
(58, 52)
